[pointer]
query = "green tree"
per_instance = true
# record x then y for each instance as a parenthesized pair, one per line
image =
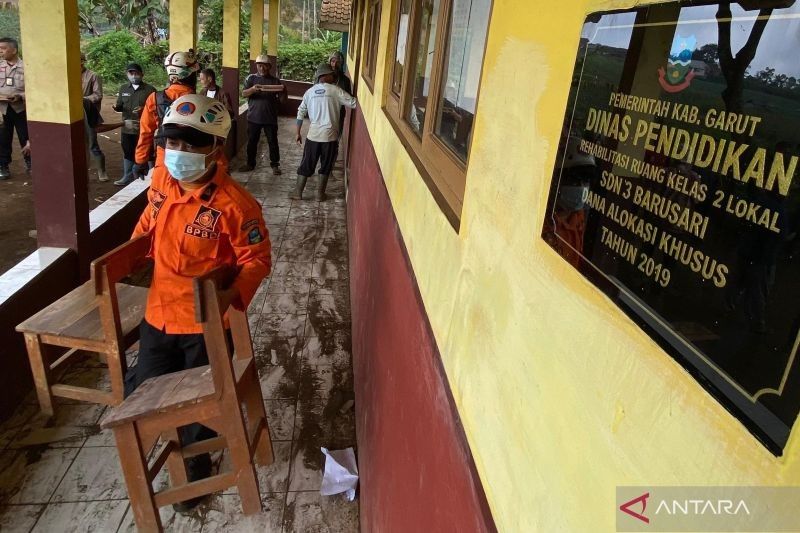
(9, 23)
(209, 14)
(108, 54)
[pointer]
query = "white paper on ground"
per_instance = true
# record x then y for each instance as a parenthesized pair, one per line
(341, 473)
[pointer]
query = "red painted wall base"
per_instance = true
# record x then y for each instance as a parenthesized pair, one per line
(417, 472)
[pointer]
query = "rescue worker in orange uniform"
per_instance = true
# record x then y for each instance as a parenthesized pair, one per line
(182, 68)
(199, 218)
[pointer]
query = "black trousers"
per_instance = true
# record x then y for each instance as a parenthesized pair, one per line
(128, 142)
(12, 121)
(163, 353)
(254, 134)
(313, 152)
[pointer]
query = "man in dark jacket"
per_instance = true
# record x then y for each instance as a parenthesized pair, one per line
(130, 102)
(336, 61)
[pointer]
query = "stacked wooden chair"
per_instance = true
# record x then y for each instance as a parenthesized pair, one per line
(224, 396)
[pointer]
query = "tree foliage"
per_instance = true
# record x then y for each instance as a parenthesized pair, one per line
(108, 55)
(299, 61)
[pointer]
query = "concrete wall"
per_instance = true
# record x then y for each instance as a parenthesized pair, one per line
(417, 473)
(562, 396)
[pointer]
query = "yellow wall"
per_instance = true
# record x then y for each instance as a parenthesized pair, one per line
(562, 397)
(230, 38)
(182, 25)
(46, 101)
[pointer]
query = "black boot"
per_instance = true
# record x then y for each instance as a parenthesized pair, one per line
(323, 182)
(197, 468)
(297, 193)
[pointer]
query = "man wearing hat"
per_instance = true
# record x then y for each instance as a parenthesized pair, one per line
(336, 61)
(130, 102)
(321, 104)
(199, 219)
(92, 98)
(263, 92)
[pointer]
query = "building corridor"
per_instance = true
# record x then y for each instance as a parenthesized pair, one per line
(64, 474)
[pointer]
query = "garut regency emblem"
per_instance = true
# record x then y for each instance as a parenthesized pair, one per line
(679, 72)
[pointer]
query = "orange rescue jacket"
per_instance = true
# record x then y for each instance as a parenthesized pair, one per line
(148, 124)
(195, 231)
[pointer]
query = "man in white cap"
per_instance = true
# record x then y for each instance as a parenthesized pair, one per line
(263, 92)
(199, 219)
(321, 104)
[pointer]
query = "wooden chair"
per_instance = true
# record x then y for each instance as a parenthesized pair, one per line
(100, 316)
(212, 395)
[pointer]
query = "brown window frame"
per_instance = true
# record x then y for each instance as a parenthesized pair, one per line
(357, 32)
(372, 30)
(441, 169)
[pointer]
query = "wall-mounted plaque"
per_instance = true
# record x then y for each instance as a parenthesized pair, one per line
(677, 191)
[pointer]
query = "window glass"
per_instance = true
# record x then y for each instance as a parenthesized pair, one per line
(427, 16)
(466, 38)
(374, 30)
(400, 49)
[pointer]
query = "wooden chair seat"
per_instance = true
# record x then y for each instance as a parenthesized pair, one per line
(170, 392)
(76, 316)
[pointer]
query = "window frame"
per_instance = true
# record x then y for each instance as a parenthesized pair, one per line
(442, 170)
(372, 42)
(356, 20)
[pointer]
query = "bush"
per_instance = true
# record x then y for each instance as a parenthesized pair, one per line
(299, 61)
(108, 55)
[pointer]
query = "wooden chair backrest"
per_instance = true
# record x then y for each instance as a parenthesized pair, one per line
(215, 298)
(109, 269)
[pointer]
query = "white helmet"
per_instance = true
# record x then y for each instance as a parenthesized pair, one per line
(574, 156)
(201, 113)
(181, 65)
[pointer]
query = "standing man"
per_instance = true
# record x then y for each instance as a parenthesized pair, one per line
(130, 102)
(336, 61)
(12, 104)
(182, 70)
(92, 98)
(263, 92)
(321, 104)
(199, 218)
(208, 80)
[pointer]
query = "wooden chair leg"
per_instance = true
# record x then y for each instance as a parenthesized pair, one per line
(176, 466)
(41, 372)
(134, 468)
(247, 481)
(116, 371)
(256, 411)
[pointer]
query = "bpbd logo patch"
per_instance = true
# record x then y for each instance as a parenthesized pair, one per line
(204, 223)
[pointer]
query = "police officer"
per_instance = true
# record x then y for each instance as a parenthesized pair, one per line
(130, 102)
(182, 70)
(199, 218)
(12, 104)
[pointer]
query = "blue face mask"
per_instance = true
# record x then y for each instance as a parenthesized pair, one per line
(185, 166)
(572, 198)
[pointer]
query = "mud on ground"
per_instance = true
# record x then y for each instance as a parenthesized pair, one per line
(16, 194)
